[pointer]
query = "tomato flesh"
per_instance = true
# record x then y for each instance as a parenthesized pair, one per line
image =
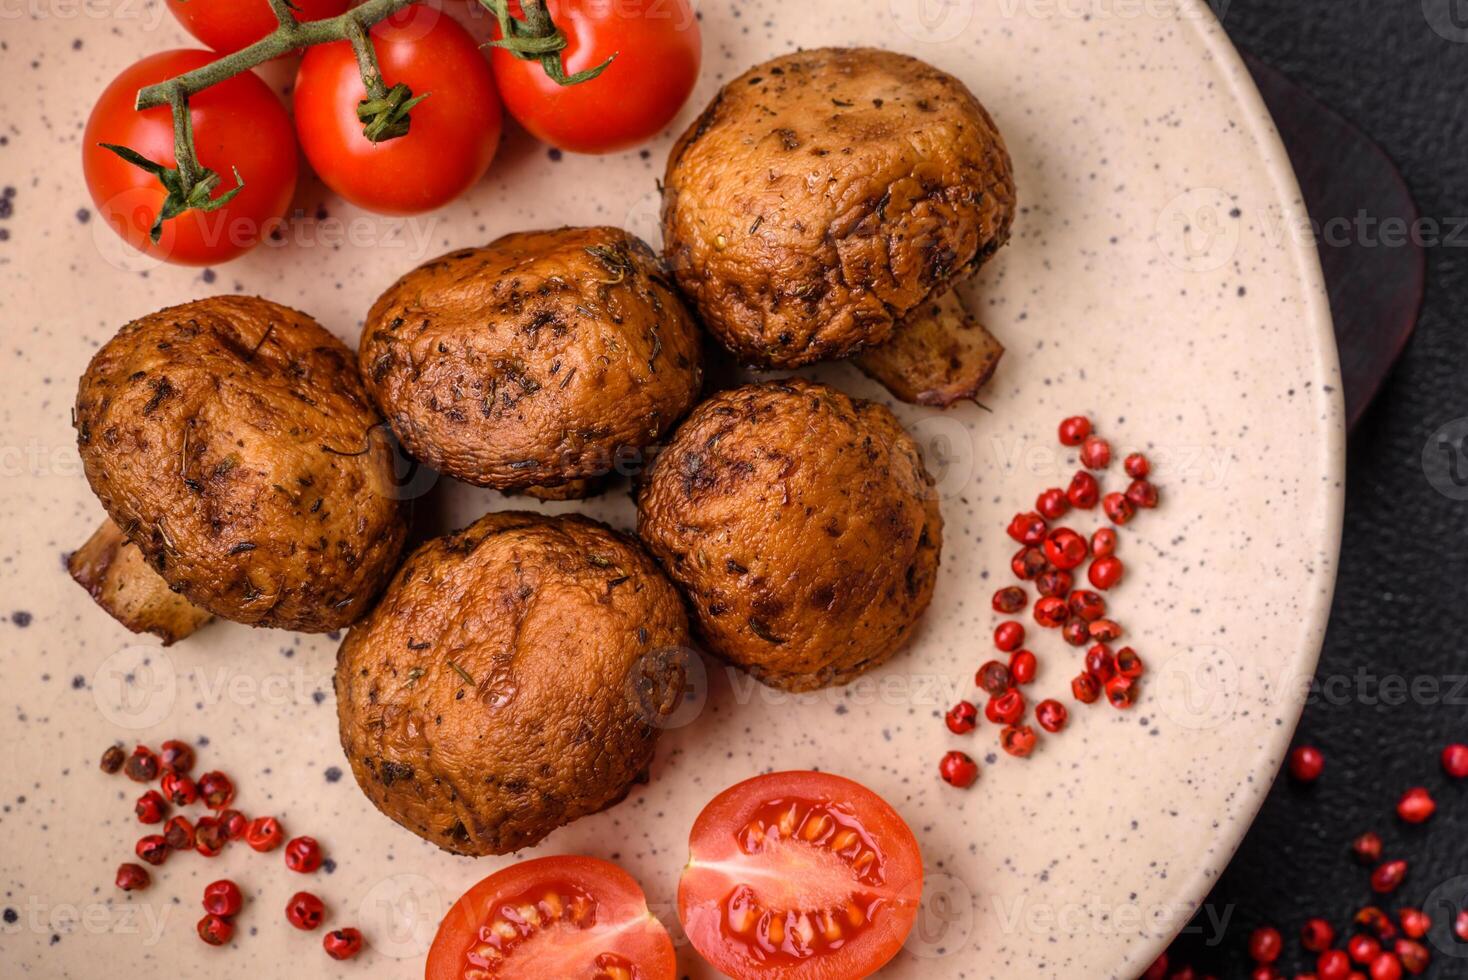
(803, 875)
(572, 917)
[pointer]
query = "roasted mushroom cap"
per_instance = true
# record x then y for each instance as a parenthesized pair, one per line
(231, 440)
(802, 527)
(825, 194)
(512, 679)
(541, 359)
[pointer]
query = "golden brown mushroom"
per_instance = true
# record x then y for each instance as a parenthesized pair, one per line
(514, 678)
(824, 196)
(230, 440)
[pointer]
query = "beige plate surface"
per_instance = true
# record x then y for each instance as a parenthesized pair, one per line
(1157, 280)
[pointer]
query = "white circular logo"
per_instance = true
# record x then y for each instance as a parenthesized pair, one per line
(1448, 18)
(1198, 688)
(932, 21)
(1198, 231)
(136, 687)
(139, 206)
(1445, 460)
(400, 915)
(945, 919)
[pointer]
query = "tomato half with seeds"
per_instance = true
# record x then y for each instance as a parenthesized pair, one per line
(566, 916)
(801, 875)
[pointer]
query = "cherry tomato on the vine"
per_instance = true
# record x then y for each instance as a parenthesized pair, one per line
(657, 47)
(228, 25)
(453, 133)
(239, 124)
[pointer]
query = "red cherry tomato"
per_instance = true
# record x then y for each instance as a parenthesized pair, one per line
(454, 131)
(658, 47)
(238, 123)
(799, 875)
(565, 916)
(228, 25)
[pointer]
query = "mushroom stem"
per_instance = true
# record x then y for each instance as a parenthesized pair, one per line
(939, 355)
(112, 569)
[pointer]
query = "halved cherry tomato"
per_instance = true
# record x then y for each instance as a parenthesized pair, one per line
(799, 875)
(228, 25)
(453, 134)
(238, 123)
(658, 46)
(566, 916)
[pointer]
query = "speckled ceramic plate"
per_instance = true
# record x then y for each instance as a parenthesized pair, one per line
(1157, 280)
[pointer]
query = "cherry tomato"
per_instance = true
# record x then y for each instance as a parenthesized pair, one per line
(564, 916)
(799, 875)
(454, 131)
(228, 25)
(658, 47)
(238, 123)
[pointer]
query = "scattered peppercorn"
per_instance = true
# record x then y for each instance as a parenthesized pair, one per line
(1265, 944)
(1006, 709)
(1103, 543)
(1333, 964)
(1136, 466)
(209, 836)
(179, 833)
(342, 944)
(993, 678)
(1051, 611)
(1415, 922)
(133, 877)
(1027, 563)
(216, 790)
(1051, 715)
(1028, 528)
(1095, 453)
(142, 765)
(1009, 636)
(215, 930)
(223, 898)
(1367, 848)
(152, 848)
(234, 823)
(1128, 663)
(151, 807)
(1414, 956)
(1065, 549)
(179, 788)
(962, 717)
(1100, 663)
(264, 834)
(1306, 763)
(1083, 491)
(303, 854)
(113, 757)
(1105, 572)
(1076, 632)
(1017, 740)
(1118, 509)
(1316, 935)
(957, 769)
(1386, 967)
(305, 911)
(1054, 583)
(1121, 692)
(1455, 761)
(1074, 430)
(1388, 876)
(177, 756)
(1085, 688)
(1022, 666)
(1010, 600)
(1416, 805)
(1362, 949)
(1142, 494)
(1104, 630)
(1052, 503)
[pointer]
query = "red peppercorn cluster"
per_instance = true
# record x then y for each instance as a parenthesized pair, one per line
(208, 834)
(1052, 557)
(1377, 947)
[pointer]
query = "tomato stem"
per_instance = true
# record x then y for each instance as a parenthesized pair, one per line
(535, 37)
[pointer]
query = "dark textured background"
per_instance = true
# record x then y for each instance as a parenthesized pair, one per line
(1401, 607)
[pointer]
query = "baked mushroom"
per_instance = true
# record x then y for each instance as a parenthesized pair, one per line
(801, 525)
(231, 442)
(512, 679)
(540, 360)
(824, 195)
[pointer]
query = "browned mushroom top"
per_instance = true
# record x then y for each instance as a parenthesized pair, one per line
(824, 194)
(232, 441)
